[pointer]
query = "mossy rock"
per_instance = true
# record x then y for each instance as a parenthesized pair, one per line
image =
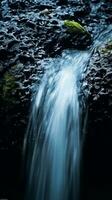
(107, 48)
(75, 36)
(8, 89)
(75, 27)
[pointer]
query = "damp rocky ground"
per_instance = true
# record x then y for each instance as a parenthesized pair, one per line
(31, 32)
(97, 149)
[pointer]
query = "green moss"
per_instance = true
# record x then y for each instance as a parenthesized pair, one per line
(8, 87)
(107, 48)
(75, 27)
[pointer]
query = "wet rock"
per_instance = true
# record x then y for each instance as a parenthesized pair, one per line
(98, 140)
(17, 4)
(31, 31)
(12, 43)
(79, 41)
(43, 6)
(30, 24)
(62, 2)
(82, 11)
(95, 1)
(3, 54)
(26, 58)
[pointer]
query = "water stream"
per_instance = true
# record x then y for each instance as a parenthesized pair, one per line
(54, 130)
(53, 140)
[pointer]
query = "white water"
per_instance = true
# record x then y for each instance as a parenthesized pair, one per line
(54, 131)
(53, 141)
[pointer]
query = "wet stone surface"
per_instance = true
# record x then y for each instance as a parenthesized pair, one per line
(31, 31)
(99, 84)
(98, 140)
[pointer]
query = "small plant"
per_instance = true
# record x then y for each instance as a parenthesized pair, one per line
(75, 27)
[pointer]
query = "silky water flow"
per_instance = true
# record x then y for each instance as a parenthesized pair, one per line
(53, 141)
(53, 138)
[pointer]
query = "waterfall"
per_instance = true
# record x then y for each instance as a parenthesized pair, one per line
(53, 138)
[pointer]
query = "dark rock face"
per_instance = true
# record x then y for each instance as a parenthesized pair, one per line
(31, 31)
(98, 140)
(99, 78)
(99, 81)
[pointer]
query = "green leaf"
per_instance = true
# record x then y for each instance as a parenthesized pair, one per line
(75, 27)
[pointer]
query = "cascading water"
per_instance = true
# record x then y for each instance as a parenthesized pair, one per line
(53, 141)
(53, 138)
